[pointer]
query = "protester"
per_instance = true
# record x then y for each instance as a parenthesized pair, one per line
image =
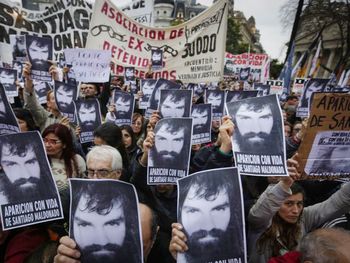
(25, 120)
(137, 125)
(279, 220)
(110, 134)
(42, 117)
(130, 142)
(325, 245)
(65, 163)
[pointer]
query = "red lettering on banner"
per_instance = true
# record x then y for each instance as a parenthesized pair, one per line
(176, 33)
(137, 46)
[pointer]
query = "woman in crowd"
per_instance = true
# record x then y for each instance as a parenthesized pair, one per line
(110, 134)
(137, 125)
(65, 163)
(278, 220)
(25, 120)
(129, 140)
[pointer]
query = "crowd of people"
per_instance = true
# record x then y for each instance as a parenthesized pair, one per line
(281, 213)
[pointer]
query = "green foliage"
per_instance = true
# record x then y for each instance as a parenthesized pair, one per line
(234, 43)
(275, 68)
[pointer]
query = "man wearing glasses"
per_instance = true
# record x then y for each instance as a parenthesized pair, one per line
(104, 162)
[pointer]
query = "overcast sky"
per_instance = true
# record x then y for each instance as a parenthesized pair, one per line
(267, 19)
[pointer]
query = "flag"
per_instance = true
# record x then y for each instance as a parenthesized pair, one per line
(297, 65)
(345, 79)
(266, 71)
(303, 63)
(286, 72)
(316, 60)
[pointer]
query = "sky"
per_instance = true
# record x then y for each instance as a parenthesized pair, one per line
(267, 19)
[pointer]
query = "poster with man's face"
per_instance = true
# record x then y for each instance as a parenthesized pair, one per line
(217, 100)
(28, 193)
(311, 86)
(41, 89)
(263, 89)
(210, 209)
(17, 65)
(8, 80)
(298, 85)
(201, 116)
(8, 121)
(39, 52)
(88, 114)
(175, 103)
(104, 221)
(129, 75)
(329, 155)
(235, 95)
(198, 89)
(157, 59)
(244, 74)
(168, 159)
(153, 102)
(65, 94)
(147, 86)
(258, 141)
(19, 51)
(124, 107)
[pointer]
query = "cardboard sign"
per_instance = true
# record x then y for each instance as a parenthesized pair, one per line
(325, 148)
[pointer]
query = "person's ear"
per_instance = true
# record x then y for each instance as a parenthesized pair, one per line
(117, 174)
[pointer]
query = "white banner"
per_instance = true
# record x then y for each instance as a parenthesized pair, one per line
(255, 62)
(66, 23)
(192, 52)
(89, 65)
(140, 10)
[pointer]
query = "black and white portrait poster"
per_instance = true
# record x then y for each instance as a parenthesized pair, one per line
(169, 158)
(41, 89)
(329, 155)
(244, 74)
(28, 191)
(258, 141)
(89, 118)
(298, 85)
(155, 96)
(65, 94)
(19, 51)
(201, 115)
(235, 95)
(198, 89)
(124, 107)
(8, 121)
(157, 59)
(39, 52)
(134, 87)
(147, 86)
(210, 209)
(129, 75)
(311, 86)
(8, 78)
(263, 89)
(17, 65)
(104, 221)
(217, 100)
(175, 103)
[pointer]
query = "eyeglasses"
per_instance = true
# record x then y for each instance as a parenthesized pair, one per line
(51, 141)
(102, 173)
